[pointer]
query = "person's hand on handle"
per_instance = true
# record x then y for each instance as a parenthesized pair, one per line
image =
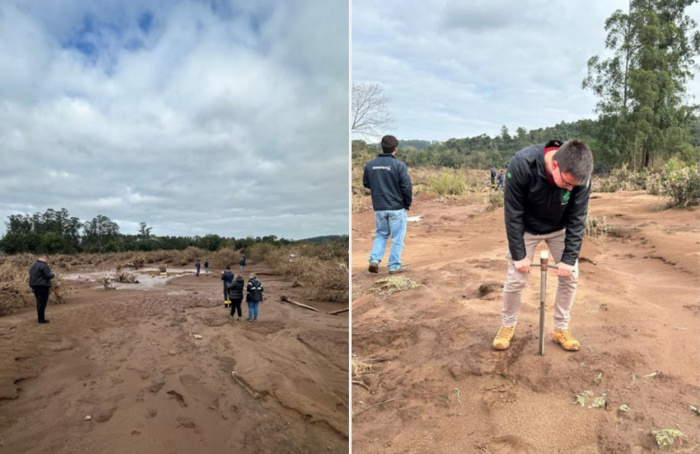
(564, 270)
(523, 265)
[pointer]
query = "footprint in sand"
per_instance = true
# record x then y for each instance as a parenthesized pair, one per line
(509, 444)
(178, 397)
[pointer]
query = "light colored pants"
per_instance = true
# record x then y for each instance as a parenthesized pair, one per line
(389, 223)
(516, 281)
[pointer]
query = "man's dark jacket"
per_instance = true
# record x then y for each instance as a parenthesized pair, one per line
(532, 204)
(40, 275)
(227, 277)
(387, 178)
(255, 291)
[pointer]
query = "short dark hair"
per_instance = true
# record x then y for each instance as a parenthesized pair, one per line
(389, 144)
(576, 159)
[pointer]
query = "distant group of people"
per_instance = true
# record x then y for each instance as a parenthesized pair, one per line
(40, 276)
(233, 294)
(546, 192)
(234, 287)
(198, 265)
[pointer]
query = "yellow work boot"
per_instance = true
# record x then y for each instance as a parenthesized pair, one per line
(503, 338)
(564, 338)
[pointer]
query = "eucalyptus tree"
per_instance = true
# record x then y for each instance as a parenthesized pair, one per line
(642, 87)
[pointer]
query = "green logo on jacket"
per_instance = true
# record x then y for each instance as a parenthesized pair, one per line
(509, 176)
(565, 197)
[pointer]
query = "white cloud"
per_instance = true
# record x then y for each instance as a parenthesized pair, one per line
(455, 69)
(218, 117)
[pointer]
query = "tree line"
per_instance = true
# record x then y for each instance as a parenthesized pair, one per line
(58, 232)
(484, 151)
(644, 113)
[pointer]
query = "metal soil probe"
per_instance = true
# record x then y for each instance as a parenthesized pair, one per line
(544, 258)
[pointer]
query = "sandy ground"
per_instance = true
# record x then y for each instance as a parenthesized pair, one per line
(129, 360)
(438, 387)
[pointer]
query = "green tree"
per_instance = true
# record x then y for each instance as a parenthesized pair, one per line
(641, 88)
(98, 232)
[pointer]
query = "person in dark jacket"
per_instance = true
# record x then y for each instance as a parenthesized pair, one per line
(492, 173)
(235, 295)
(545, 199)
(227, 277)
(197, 266)
(500, 178)
(242, 262)
(254, 297)
(40, 276)
(206, 266)
(392, 193)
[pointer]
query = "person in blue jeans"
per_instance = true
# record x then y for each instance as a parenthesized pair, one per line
(392, 193)
(500, 178)
(254, 296)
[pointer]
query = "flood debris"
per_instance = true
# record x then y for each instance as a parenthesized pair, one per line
(588, 399)
(390, 285)
(667, 437)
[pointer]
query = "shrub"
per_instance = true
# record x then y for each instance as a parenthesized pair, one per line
(495, 200)
(621, 179)
(681, 183)
(322, 269)
(596, 226)
(449, 182)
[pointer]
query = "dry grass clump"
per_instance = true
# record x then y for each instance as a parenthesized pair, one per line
(393, 284)
(620, 179)
(15, 292)
(126, 278)
(668, 437)
(320, 268)
(359, 368)
(224, 257)
(495, 200)
(596, 226)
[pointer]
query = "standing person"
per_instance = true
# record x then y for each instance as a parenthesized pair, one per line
(392, 193)
(500, 179)
(227, 277)
(492, 172)
(197, 265)
(235, 295)
(254, 297)
(546, 199)
(206, 266)
(242, 262)
(40, 276)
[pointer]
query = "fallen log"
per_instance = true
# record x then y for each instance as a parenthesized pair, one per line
(287, 300)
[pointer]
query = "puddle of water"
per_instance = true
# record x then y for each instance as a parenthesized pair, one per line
(147, 278)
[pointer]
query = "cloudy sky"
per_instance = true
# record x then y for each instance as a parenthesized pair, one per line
(194, 116)
(453, 68)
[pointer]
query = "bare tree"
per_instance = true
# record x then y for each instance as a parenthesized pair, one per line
(370, 112)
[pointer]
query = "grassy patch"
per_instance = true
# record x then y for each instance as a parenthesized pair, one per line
(596, 226)
(393, 284)
(667, 437)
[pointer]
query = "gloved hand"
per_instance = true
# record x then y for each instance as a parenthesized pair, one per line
(523, 265)
(564, 270)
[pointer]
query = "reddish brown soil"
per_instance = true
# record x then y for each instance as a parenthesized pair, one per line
(637, 315)
(128, 359)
